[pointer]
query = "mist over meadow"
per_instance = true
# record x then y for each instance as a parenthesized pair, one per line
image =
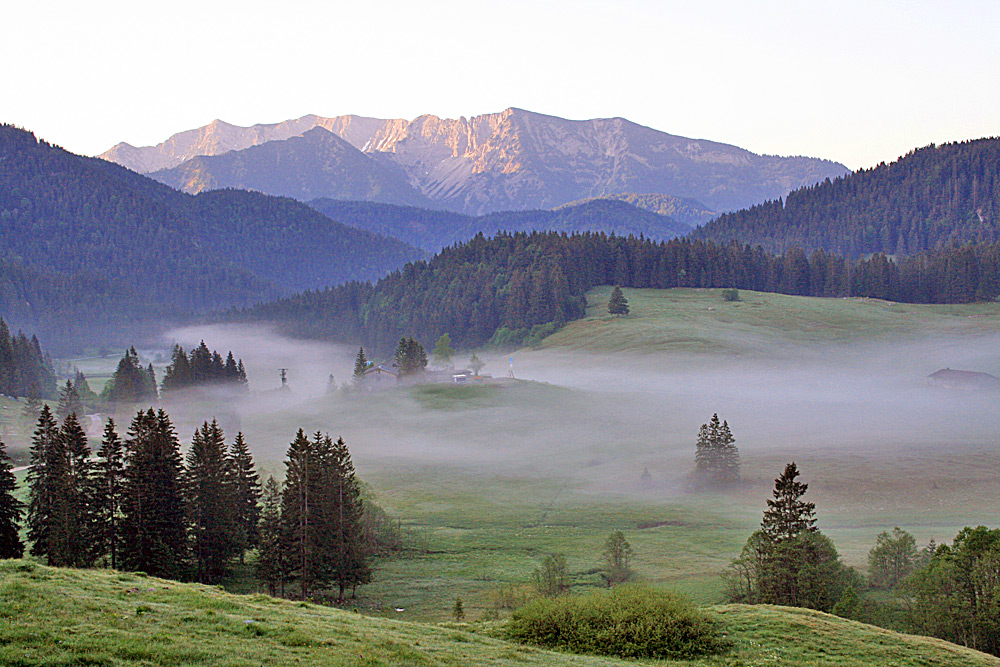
(596, 421)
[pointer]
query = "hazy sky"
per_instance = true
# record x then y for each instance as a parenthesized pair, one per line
(857, 82)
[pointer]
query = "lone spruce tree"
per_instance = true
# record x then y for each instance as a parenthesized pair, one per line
(360, 366)
(11, 510)
(617, 304)
(787, 516)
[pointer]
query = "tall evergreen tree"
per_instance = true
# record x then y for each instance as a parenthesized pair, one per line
(75, 518)
(211, 502)
(300, 516)
(272, 565)
(69, 401)
(152, 504)
(130, 383)
(787, 516)
(443, 351)
(11, 510)
(360, 365)
(346, 548)
(44, 481)
(109, 480)
(410, 357)
(246, 485)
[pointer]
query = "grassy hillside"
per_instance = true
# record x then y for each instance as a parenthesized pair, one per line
(71, 617)
(699, 321)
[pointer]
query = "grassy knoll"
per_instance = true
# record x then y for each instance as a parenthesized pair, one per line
(73, 617)
(699, 321)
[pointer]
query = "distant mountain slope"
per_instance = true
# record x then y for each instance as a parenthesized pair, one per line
(931, 197)
(316, 164)
(88, 242)
(689, 212)
(433, 230)
(515, 160)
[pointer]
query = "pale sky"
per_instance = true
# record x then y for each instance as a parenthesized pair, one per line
(855, 82)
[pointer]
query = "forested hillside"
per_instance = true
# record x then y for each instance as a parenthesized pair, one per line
(86, 242)
(515, 286)
(433, 230)
(934, 196)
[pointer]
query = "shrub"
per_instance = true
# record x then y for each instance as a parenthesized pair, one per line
(730, 295)
(629, 622)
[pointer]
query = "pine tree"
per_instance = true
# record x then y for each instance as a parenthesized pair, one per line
(246, 484)
(360, 366)
(177, 375)
(109, 478)
(83, 390)
(787, 516)
(152, 524)
(618, 304)
(11, 510)
(271, 557)
(410, 357)
(130, 383)
(211, 502)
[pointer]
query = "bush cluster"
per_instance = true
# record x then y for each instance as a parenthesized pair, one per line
(629, 622)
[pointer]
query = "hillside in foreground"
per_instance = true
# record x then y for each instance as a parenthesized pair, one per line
(53, 616)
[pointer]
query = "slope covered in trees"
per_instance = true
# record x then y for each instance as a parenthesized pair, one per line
(433, 230)
(85, 240)
(24, 369)
(516, 285)
(932, 197)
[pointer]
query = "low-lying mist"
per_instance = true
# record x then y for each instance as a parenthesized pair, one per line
(599, 420)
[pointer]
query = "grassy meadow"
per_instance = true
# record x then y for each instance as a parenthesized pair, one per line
(488, 480)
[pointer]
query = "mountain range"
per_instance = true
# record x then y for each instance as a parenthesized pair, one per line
(512, 160)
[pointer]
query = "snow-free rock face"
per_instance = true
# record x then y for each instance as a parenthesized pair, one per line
(517, 159)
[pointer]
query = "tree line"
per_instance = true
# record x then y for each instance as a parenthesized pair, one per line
(138, 504)
(515, 285)
(203, 367)
(931, 198)
(25, 371)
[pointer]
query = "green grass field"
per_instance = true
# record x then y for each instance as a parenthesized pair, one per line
(54, 617)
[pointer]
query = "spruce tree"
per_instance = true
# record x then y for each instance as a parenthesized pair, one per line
(300, 515)
(44, 482)
(443, 351)
(75, 518)
(271, 557)
(211, 502)
(69, 401)
(246, 485)
(717, 460)
(347, 547)
(787, 516)
(153, 532)
(360, 366)
(11, 510)
(109, 478)
(618, 304)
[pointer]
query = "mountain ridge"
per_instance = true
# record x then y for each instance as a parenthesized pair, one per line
(517, 159)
